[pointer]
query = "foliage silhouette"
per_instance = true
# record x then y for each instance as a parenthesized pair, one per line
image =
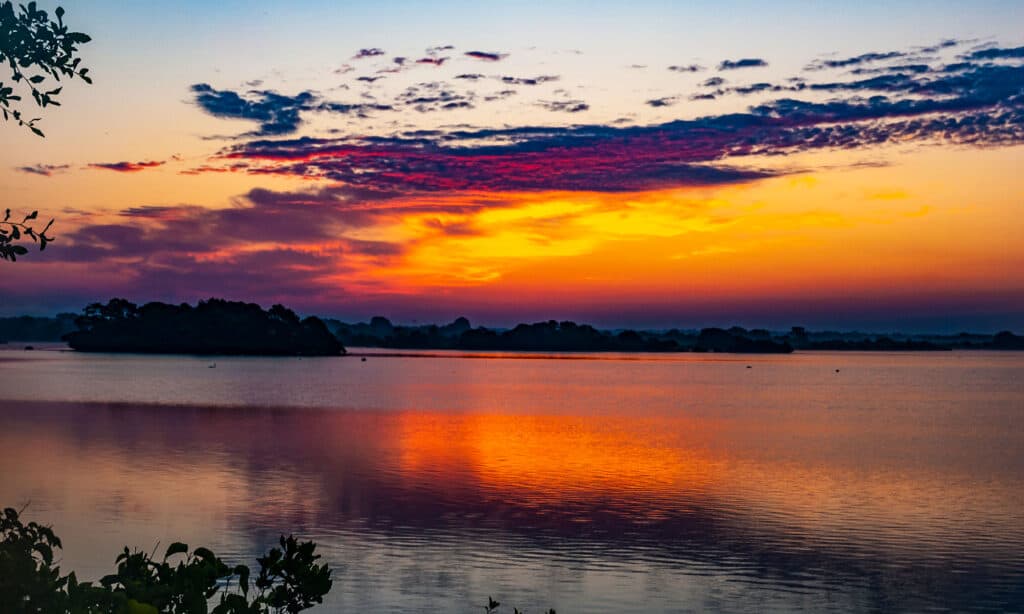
(214, 326)
(460, 335)
(1005, 340)
(289, 580)
(29, 328)
(736, 340)
(36, 50)
(552, 336)
(11, 232)
(492, 606)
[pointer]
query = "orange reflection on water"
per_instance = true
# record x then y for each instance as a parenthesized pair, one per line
(556, 457)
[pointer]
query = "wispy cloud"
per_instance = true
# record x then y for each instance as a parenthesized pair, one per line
(686, 68)
(435, 96)
(665, 101)
(981, 106)
(857, 60)
(487, 56)
(370, 52)
(996, 53)
(977, 102)
(742, 63)
(45, 170)
(127, 167)
(276, 114)
(564, 106)
(529, 80)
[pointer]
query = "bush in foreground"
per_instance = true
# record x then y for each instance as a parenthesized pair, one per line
(182, 582)
(198, 582)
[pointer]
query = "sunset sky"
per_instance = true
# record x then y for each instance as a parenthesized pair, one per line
(647, 163)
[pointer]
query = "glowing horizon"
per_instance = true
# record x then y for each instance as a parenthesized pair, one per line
(709, 182)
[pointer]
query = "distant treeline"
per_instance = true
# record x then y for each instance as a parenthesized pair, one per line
(213, 326)
(548, 336)
(28, 328)
(570, 336)
(216, 326)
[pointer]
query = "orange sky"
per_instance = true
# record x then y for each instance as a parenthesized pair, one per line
(534, 186)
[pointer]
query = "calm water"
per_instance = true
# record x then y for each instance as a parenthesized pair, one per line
(607, 484)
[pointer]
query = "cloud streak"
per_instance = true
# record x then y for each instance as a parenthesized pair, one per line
(995, 53)
(127, 167)
(742, 63)
(276, 114)
(486, 56)
(44, 170)
(665, 101)
(371, 52)
(864, 58)
(529, 80)
(564, 106)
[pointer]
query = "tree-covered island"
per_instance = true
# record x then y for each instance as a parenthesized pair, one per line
(213, 326)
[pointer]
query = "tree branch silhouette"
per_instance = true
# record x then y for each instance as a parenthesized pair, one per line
(39, 52)
(13, 232)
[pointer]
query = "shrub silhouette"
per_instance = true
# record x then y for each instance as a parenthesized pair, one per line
(183, 582)
(290, 579)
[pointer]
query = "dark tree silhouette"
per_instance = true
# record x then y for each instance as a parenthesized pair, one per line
(552, 336)
(214, 326)
(39, 53)
(12, 232)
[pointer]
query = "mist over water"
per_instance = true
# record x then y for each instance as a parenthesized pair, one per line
(588, 483)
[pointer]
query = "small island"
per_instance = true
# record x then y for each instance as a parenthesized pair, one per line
(212, 327)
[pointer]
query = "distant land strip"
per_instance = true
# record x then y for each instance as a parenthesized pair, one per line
(216, 326)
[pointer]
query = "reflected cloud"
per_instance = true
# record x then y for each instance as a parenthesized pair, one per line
(670, 492)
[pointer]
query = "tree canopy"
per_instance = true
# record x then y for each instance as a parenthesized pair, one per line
(214, 326)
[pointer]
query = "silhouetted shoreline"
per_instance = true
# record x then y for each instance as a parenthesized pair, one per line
(552, 336)
(216, 326)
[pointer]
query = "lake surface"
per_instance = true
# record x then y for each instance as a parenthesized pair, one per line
(587, 483)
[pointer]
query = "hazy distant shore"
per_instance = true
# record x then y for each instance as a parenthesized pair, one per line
(223, 327)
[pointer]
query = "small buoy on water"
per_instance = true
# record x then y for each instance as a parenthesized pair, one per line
(837, 370)
(749, 367)
(363, 359)
(213, 366)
